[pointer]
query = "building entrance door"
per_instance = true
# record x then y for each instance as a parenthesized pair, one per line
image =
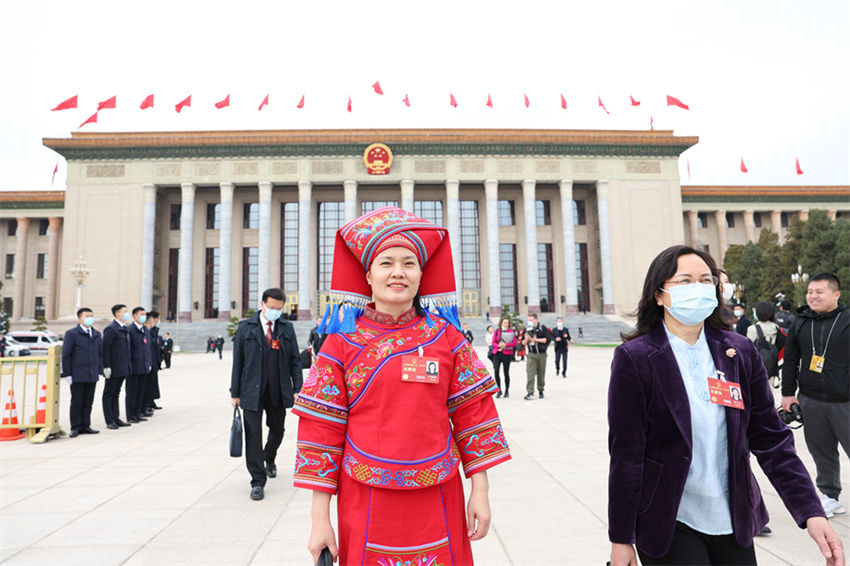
(471, 303)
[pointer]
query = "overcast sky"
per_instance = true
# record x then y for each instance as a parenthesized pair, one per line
(766, 81)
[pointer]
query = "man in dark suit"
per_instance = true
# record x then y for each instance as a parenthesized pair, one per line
(116, 364)
(266, 375)
(167, 347)
(141, 362)
(82, 364)
(219, 344)
(562, 341)
(152, 381)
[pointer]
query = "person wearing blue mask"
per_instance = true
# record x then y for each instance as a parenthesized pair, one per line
(265, 377)
(82, 364)
(688, 402)
(116, 364)
(141, 360)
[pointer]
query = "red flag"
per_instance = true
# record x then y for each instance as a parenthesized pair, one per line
(797, 163)
(563, 102)
(183, 103)
(301, 102)
(55, 170)
(222, 103)
(743, 167)
(527, 101)
(349, 104)
(634, 102)
(673, 101)
(265, 102)
(66, 104)
(147, 102)
(651, 123)
(377, 87)
(90, 120)
(406, 100)
(599, 99)
(108, 103)
(489, 101)
(452, 100)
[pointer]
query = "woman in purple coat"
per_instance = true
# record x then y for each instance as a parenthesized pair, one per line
(680, 487)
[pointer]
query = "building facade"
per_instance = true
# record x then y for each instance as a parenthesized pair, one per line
(197, 224)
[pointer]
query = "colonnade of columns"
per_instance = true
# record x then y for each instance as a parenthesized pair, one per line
(306, 256)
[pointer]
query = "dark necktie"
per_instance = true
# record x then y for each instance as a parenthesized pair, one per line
(269, 334)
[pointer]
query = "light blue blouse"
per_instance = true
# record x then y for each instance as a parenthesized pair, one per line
(705, 501)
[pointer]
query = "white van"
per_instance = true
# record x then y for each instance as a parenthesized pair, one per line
(37, 342)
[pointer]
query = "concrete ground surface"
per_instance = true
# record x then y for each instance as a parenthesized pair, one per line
(166, 492)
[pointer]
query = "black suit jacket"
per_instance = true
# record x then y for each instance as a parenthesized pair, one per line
(82, 357)
(140, 349)
(116, 349)
(246, 375)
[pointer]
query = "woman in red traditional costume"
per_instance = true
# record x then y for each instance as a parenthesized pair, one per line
(395, 400)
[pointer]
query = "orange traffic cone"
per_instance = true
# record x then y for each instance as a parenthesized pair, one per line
(41, 409)
(10, 417)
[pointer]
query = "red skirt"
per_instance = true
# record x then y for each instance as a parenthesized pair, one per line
(389, 527)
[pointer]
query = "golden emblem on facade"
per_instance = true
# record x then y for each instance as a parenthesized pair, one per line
(378, 159)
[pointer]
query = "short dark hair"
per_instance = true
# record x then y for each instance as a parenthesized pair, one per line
(764, 311)
(739, 305)
(168, 333)
(649, 314)
(785, 305)
(533, 315)
(274, 293)
(153, 314)
(116, 308)
(831, 278)
(138, 309)
(81, 310)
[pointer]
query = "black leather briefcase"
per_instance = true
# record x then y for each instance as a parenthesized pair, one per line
(236, 434)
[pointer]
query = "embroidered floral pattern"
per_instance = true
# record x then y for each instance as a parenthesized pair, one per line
(484, 446)
(317, 466)
(428, 554)
(400, 476)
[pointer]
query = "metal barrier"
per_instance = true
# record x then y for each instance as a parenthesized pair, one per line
(24, 377)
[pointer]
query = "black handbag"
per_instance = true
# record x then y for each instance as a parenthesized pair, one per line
(236, 434)
(325, 558)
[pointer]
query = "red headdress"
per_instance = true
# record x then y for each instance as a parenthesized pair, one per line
(359, 242)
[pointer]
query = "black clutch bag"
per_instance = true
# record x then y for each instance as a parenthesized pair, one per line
(236, 434)
(325, 558)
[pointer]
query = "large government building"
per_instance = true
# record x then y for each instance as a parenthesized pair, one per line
(197, 224)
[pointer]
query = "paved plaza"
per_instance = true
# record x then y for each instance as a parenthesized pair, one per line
(166, 492)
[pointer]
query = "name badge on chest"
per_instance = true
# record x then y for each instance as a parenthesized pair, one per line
(420, 369)
(726, 393)
(816, 365)
(275, 345)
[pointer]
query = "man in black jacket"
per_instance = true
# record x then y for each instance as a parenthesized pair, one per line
(82, 364)
(265, 377)
(167, 348)
(536, 340)
(116, 364)
(817, 361)
(562, 339)
(151, 392)
(316, 338)
(141, 361)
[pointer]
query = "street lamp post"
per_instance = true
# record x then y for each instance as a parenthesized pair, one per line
(800, 281)
(80, 272)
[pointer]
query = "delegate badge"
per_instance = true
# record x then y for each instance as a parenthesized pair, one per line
(419, 369)
(275, 345)
(726, 393)
(816, 364)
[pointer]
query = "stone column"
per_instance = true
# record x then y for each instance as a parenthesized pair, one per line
(750, 225)
(21, 238)
(55, 224)
(720, 220)
(804, 215)
(225, 250)
(693, 227)
(831, 214)
(453, 226)
(184, 263)
(148, 232)
(305, 257)
(776, 222)
(350, 191)
(264, 237)
(407, 194)
(569, 237)
(605, 248)
(531, 267)
(491, 192)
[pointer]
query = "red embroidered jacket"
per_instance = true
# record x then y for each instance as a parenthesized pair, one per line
(359, 417)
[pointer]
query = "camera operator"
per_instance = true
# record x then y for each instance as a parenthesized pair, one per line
(817, 361)
(536, 340)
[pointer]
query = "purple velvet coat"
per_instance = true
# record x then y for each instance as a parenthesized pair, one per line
(649, 441)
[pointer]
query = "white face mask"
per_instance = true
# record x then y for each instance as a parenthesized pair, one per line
(560, 325)
(727, 294)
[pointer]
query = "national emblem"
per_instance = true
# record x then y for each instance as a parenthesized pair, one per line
(378, 159)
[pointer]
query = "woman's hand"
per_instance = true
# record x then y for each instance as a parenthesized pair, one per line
(623, 555)
(827, 540)
(321, 532)
(478, 507)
